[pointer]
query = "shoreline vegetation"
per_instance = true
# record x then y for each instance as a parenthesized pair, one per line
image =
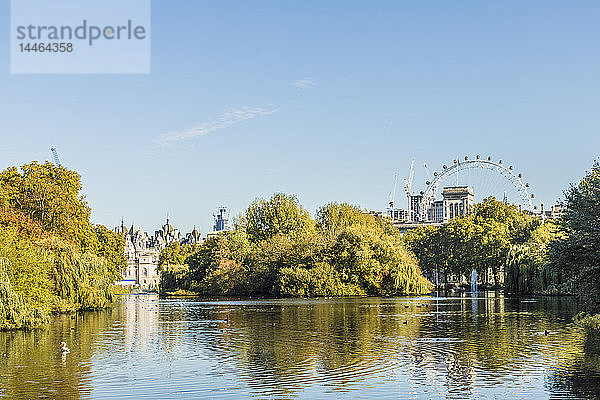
(277, 249)
(54, 260)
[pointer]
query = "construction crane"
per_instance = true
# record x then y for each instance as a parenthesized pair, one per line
(408, 185)
(55, 156)
(393, 192)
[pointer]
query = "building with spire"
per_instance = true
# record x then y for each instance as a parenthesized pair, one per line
(142, 251)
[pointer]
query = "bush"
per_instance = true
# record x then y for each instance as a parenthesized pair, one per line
(322, 280)
(174, 277)
(591, 323)
(229, 278)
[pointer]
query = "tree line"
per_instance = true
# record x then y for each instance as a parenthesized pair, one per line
(520, 253)
(277, 249)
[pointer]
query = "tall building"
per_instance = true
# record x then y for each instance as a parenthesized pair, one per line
(398, 214)
(415, 203)
(457, 200)
(221, 219)
(557, 211)
(436, 211)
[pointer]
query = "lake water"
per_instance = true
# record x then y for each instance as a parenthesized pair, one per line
(410, 347)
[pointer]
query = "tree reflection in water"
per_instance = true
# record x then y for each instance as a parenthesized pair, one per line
(32, 362)
(450, 347)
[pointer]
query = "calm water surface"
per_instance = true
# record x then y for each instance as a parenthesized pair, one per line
(448, 347)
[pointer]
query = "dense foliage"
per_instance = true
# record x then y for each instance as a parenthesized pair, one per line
(533, 256)
(480, 240)
(527, 268)
(576, 255)
(52, 259)
(276, 248)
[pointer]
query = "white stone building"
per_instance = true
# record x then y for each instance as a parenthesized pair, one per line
(142, 251)
(458, 200)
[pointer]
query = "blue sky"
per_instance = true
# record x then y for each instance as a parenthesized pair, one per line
(323, 99)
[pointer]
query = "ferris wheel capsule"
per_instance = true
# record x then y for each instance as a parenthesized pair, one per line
(477, 156)
(489, 158)
(466, 158)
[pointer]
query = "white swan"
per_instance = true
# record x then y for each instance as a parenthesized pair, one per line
(64, 348)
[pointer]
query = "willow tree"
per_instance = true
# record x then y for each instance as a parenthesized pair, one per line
(53, 258)
(527, 270)
(576, 257)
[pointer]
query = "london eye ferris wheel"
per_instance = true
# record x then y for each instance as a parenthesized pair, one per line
(487, 178)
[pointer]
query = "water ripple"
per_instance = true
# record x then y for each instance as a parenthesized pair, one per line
(419, 347)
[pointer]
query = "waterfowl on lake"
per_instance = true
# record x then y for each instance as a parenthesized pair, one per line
(64, 347)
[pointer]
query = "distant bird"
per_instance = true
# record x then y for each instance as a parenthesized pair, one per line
(64, 348)
(405, 306)
(546, 332)
(405, 322)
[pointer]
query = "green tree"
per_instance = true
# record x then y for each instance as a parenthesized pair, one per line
(332, 218)
(377, 263)
(110, 247)
(527, 269)
(576, 255)
(175, 254)
(281, 214)
(479, 240)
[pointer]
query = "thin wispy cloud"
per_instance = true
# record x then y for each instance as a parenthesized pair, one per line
(224, 120)
(304, 83)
